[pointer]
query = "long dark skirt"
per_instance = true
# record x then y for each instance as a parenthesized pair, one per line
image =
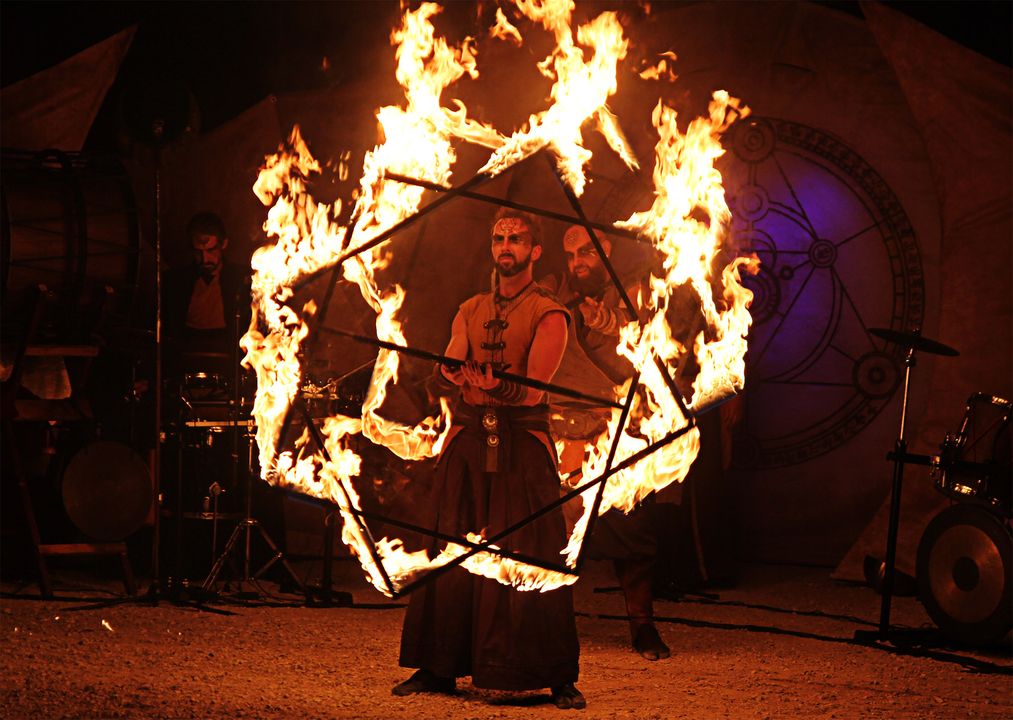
(621, 536)
(461, 624)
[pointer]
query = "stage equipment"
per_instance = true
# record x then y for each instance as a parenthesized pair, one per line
(341, 395)
(965, 574)
(68, 221)
(974, 463)
(206, 466)
(245, 527)
(912, 341)
(68, 270)
(107, 491)
(965, 557)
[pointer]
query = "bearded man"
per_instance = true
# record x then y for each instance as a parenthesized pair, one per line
(628, 540)
(498, 467)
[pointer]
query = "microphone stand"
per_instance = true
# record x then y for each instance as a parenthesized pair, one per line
(154, 590)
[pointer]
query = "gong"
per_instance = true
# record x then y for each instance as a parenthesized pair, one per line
(107, 491)
(965, 574)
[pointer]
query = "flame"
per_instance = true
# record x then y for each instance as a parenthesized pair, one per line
(504, 30)
(662, 70)
(687, 188)
(579, 93)
(419, 141)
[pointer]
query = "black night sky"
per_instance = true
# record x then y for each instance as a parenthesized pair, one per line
(231, 54)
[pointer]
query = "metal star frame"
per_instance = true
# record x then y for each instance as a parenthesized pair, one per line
(468, 190)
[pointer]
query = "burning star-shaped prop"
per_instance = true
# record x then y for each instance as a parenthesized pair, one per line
(651, 438)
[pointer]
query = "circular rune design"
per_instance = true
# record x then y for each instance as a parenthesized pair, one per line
(838, 256)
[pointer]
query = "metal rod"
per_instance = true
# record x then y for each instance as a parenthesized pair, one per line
(631, 309)
(628, 462)
(315, 432)
(889, 562)
(608, 466)
(509, 554)
(534, 210)
(474, 181)
(674, 389)
(454, 362)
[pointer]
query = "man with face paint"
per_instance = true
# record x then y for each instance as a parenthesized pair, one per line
(498, 468)
(628, 540)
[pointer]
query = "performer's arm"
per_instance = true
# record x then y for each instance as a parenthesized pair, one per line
(546, 352)
(604, 319)
(457, 348)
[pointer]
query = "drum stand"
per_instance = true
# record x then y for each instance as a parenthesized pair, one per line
(248, 524)
(244, 528)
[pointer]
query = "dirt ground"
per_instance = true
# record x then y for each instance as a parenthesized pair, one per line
(778, 645)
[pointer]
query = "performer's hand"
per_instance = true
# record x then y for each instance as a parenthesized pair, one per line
(453, 374)
(479, 376)
(590, 309)
(731, 412)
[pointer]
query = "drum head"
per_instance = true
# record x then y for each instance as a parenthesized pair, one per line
(107, 491)
(965, 574)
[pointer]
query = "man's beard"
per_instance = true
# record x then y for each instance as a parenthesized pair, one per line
(518, 267)
(207, 271)
(592, 283)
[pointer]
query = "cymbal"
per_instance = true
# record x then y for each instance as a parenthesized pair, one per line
(914, 340)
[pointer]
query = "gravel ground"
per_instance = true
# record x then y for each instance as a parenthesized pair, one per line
(778, 645)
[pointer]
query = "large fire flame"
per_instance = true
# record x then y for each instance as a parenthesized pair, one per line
(418, 142)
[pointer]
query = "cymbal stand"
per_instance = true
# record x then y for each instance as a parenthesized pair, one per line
(900, 450)
(245, 526)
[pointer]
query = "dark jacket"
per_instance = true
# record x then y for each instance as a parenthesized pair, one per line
(180, 340)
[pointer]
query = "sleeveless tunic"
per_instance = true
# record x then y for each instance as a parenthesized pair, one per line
(501, 331)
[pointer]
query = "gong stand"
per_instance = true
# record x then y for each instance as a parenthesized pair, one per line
(467, 190)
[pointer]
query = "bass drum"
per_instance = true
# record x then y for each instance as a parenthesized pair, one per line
(67, 221)
(965, 574)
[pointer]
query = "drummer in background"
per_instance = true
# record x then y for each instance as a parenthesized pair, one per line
(201, 301)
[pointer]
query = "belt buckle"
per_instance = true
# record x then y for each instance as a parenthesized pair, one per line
(489, 421)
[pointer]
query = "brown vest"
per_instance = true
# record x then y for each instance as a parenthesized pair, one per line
(501, 331)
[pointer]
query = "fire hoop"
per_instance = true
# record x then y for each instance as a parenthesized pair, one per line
(309, 246)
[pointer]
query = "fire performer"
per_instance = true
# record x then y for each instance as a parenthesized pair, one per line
(497, 469)
(628, 540)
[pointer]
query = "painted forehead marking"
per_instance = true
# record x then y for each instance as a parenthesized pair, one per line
(575, 238)
(505, 227)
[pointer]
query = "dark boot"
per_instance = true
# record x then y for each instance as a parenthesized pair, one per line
(567, 697)
(424, 681)
(649, 644)
(635, 576)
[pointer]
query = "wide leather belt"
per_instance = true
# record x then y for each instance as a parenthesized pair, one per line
(498, 424)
